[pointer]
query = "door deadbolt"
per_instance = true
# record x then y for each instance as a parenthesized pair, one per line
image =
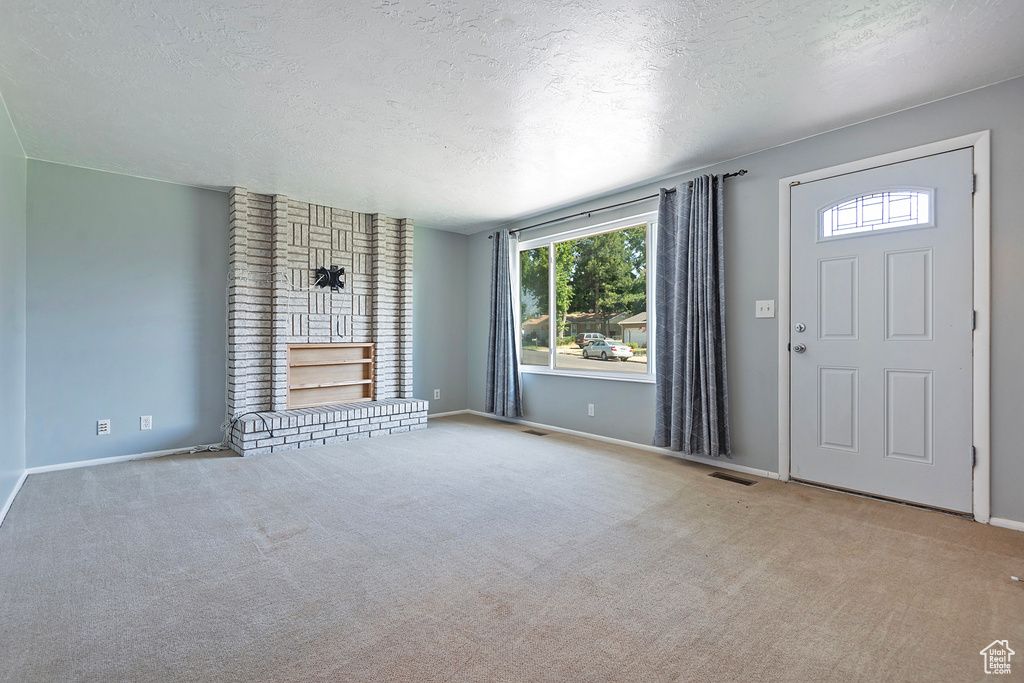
(799, 348)
(800, 327)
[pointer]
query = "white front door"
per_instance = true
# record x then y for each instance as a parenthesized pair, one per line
(881, 338)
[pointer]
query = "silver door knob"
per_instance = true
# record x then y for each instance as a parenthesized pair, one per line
(799, 348)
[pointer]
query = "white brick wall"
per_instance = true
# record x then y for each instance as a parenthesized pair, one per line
(250, 302)
(279, 308)
(271, 432)
(238, 299)
(276, 245)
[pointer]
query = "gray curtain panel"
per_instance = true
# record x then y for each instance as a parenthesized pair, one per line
(504, 393)
(691, 398)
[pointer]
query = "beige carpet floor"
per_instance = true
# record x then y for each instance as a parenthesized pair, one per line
(472, 551)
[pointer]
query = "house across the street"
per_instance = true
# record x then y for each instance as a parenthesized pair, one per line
(608, 325)
(634, 329)
(536, 329)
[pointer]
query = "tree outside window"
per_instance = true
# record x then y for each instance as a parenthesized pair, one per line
(600, 281)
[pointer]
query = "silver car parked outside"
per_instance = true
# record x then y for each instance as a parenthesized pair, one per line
(606, 348)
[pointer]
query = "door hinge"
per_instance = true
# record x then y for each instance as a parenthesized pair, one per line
(974, 320)
(974, 456)
(974, 183)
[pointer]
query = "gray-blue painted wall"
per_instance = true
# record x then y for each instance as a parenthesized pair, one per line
(126, 313)
(751, 251)
(12, 306)
(440, 288)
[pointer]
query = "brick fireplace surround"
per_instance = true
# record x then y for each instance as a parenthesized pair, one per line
(276, 245)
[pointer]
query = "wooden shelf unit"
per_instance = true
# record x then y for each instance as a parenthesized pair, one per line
(326, 374)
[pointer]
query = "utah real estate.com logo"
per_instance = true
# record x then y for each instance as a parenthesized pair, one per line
(997, 657)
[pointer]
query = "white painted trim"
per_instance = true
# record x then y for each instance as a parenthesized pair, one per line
(980, 142)
(118, 458)
(782, 311)
(1006, 523)
(714, 462)
(649, 219)
(622, 377)
(450, 412)
(652, 311)
(517, 285)
(10, 499)
(983, 327)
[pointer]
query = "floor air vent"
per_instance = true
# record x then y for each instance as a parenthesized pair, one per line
(733, 478)
(535, 432)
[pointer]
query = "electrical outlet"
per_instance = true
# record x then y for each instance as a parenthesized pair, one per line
(437, 394)
(765, 308)
(590, 409)
(145, 422)
(102, 427)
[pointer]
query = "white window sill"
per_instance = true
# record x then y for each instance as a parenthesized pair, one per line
(617, 377)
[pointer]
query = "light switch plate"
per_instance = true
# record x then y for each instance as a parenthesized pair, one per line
(765, 308)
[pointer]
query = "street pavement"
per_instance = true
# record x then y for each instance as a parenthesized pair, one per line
(575, 361)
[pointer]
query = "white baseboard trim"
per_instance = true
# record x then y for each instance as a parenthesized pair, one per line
(116, 458)
(10, 498)
(1006, 523)
(450, 412)
(713, 462)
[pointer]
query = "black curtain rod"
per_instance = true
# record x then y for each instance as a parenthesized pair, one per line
(740, 172)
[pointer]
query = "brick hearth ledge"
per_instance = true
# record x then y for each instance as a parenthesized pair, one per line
(270, 432)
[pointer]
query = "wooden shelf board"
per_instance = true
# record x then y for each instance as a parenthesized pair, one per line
(327, 385)
(329, 403)
(349, 361)
(338, 345)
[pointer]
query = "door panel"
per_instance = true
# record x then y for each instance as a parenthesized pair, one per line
(837, 303)
(908, 415)
(908, 295)
(838, 414)
(881, 400)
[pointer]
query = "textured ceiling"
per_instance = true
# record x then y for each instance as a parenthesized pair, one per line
(470, 113)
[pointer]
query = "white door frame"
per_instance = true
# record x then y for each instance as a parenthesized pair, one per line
(982, 297)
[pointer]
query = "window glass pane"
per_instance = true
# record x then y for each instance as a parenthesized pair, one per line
(878, 211)
(601, 291)
(533, 305)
